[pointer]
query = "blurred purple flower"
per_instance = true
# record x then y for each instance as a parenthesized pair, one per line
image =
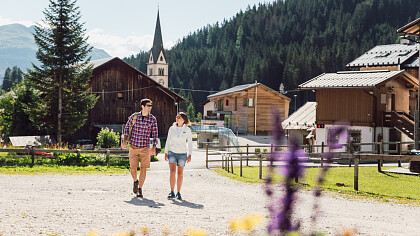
(281, 209)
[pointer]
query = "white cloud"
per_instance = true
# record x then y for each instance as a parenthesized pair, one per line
(6, 21)
(117, 45)
(121, 46)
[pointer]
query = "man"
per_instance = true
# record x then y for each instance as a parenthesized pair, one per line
(143, 124)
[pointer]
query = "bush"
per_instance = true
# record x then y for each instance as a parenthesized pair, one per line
(108, 139)
(72, 159)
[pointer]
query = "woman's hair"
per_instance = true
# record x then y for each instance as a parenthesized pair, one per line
(184, 117)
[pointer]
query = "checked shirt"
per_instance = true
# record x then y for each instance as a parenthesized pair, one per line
(142, 129)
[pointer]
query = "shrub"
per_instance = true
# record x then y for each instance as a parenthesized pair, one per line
(108, 139)
(72, 159)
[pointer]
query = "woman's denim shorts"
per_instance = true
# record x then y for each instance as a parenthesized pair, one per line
(179, 158)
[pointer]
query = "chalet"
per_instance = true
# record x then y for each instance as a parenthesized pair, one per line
(248, 107)
(120, 88)
(375, 103)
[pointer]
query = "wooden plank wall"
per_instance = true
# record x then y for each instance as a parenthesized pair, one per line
(354, 105)
(266, 101)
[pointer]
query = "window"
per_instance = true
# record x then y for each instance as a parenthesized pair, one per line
(161, 58)
(161, 82)
(150, 71)
(355, 137)
(245, 102)
(120, 95)
(161, 71)
(236, 103)
(227, 102)
(250, 102)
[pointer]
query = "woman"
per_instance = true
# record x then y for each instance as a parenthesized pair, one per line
(176, 152)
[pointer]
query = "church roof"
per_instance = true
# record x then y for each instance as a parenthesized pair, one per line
(157, 42)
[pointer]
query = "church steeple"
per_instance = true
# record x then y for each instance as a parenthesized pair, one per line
(157, 67)
(157, 41)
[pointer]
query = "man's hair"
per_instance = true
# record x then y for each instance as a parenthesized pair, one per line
(144, 101)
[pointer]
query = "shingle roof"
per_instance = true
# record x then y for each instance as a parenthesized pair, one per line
(386, 55)
(345, 79)
(304, 118)
(243, 87)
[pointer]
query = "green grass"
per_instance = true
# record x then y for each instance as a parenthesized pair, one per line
(385, 187)
(55, 169)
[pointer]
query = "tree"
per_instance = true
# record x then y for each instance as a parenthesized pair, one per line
(13, 118)
(7, 82)
(62, 77)
(191, 112)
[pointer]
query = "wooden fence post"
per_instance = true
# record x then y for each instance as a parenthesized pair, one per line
(32, 152)
(247, 154)
(240, 168)
(356, 173)
(227, 163)
(231, 163)
(322, 152)
(207, 156)
(260, 170)
(399, 152)
(108, 152)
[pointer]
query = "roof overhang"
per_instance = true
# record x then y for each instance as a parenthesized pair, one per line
(412, 28)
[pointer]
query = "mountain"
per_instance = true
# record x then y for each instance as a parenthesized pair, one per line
(18, 48)
(287, 41)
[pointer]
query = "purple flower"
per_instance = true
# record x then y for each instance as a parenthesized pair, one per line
(281, 209)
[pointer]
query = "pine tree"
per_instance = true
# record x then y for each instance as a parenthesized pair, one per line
(7, 82)
(62, 77)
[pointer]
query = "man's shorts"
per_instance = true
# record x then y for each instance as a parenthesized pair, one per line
(179, 158)
(136, 153)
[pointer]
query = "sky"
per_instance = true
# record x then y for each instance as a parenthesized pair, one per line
(124, 27)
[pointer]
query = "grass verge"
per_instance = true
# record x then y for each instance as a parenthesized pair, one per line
(57, 169)
(386, 187)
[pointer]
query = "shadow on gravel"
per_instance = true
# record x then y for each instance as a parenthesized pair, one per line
(187, 204)
(145, 202)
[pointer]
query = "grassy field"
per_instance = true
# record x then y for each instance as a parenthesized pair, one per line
(372, 184)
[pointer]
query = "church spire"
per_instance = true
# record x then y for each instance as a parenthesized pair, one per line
(157, 67)
(157, 41)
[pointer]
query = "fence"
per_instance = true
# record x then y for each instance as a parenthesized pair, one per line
(381, 154)
(34, 153)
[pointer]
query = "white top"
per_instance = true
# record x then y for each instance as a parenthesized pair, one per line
(177, 141)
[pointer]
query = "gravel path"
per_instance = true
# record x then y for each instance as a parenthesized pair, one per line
(76, 204)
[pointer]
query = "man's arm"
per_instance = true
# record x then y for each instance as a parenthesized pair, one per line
(125, 132)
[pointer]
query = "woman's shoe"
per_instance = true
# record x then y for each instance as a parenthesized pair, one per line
(171, 195)
(178, 196)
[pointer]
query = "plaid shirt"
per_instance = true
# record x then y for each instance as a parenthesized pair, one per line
(140, 135)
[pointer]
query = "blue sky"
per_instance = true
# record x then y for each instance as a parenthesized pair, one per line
(125, 27)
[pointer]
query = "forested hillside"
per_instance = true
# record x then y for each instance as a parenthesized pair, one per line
(287, 42)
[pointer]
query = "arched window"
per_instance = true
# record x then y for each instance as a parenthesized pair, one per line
(150, 71)
(161, 71)
(161, 58)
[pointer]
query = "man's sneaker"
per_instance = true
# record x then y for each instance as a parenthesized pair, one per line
(135, 186)
(140, 194)
(178, 196)
(171, 195)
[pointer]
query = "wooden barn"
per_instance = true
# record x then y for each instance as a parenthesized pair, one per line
(375, 103)
(248, 107)
(120, 88)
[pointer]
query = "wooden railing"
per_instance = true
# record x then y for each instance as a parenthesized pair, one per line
(380, 154)
(32, 152)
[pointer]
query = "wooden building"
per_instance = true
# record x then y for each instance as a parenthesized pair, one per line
(120, 88)
(374, 103)
(247, 108)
